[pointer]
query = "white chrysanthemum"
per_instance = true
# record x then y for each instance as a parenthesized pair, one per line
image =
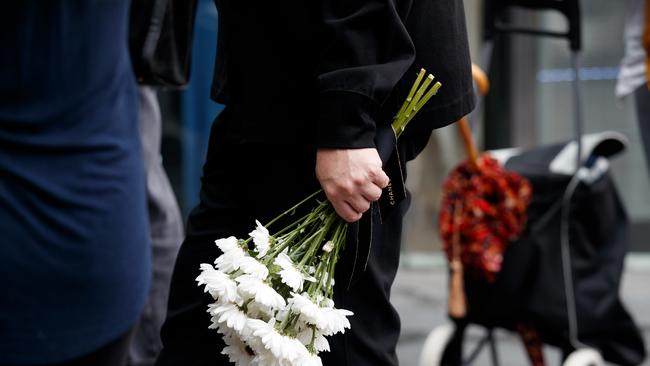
(270, 338)
(327, 247)
(218, 284)
(336, 321)
(310, 360)
(253, 287)
(214, 323)
(308, 310)
(230, 260)
(229, 315)
(227, 244)
(282, 347)
(320, 342)
(289, 274)
(253, 267)
(237, 351)
(261, 238)
(223, 329)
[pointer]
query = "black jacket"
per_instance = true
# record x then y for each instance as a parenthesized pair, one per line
(329, 72)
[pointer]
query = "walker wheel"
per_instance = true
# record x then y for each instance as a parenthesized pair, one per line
(584, 357)
(435, 345)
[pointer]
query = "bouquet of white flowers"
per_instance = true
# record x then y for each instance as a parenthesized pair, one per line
(273, 292)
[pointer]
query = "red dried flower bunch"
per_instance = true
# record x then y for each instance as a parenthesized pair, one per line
(483, 211)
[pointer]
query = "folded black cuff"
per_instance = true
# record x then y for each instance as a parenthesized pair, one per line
(346, 120)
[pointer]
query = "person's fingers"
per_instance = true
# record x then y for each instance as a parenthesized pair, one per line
(347, 212)
(371, 192)
(337, 196)
(351, 178)
(380, 178)
(358, 203)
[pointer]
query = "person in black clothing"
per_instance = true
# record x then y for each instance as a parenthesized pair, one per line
(307, 87)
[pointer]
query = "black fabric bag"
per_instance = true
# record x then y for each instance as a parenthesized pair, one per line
(160, 40)
(530, 286)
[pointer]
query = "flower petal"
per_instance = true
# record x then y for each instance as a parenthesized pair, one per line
(227, 244)
(253, 267)
(309, 312)
(252, 287)
(218, 284)
(261, 238)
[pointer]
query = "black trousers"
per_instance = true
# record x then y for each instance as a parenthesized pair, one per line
(247, 181)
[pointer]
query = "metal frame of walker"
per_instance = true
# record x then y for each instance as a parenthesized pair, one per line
(438, 339)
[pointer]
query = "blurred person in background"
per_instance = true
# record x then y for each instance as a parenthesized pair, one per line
(74, 243)
(165, 226)
(635, 66)
(165, 223)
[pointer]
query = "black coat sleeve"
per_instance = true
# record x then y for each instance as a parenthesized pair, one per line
(365, 51)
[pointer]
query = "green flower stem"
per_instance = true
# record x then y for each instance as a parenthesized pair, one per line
(288, 238)
(318, 240)
(308, 219)
(293, 208)
(413, 102)
(311, 347)
(432, 91)
(414, 88)
(310, 242)
(301, 221)
(325, 278)
(401, 122)
(342, 231)
(303, 252)
(298, 252)
(289, 324)
(315, 287)
(287, 241)
(325, 270)
(416, 99)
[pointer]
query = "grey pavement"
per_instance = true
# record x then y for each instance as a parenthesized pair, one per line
(420, 296)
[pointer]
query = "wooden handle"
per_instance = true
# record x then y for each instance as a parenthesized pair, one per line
(457, 303)
(483, 85)
(481, 80)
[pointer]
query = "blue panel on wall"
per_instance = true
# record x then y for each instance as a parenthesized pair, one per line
(197, 109)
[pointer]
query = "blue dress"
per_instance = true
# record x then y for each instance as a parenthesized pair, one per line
(74, 245)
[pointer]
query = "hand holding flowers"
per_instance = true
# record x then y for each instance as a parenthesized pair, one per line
(274, 292)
